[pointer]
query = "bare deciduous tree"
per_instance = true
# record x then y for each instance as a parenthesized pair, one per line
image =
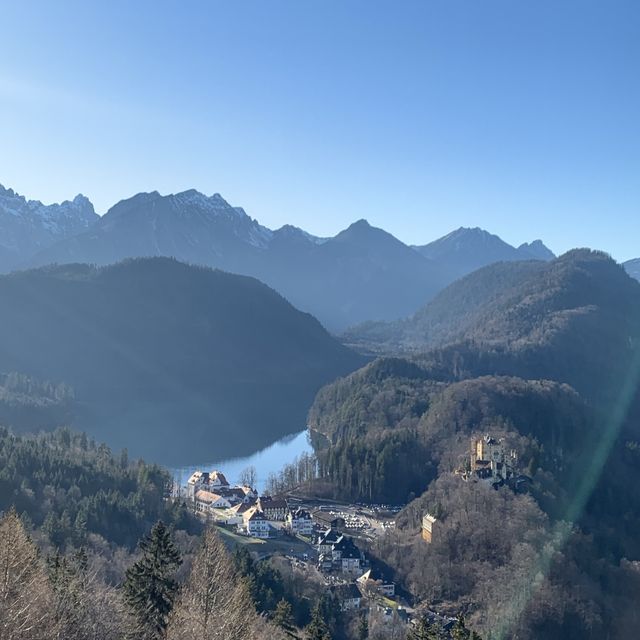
(215, 603)
(85, 607)
(25, 597)
(249, 477)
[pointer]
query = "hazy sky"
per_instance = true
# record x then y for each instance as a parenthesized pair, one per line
(519, 116)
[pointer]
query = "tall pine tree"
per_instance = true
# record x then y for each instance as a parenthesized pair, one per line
(317, 629)
(283, 616)
(150, 587)
(363, 628)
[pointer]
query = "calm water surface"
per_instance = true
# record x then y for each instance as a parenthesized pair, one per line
(268, 460)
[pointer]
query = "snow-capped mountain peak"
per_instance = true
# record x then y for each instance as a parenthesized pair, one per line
(28, 226)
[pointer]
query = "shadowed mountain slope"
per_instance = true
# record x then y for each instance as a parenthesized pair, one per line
(173, 361)
(572, 320)
(362, 273)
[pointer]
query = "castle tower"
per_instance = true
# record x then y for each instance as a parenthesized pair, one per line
(428, 524)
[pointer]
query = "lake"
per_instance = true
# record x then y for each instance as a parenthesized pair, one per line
(271, 459)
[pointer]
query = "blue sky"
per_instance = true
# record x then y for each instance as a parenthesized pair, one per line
(519, 116)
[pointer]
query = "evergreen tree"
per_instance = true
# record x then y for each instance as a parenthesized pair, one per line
(363, 628)
(460, 631)
(150, 587)
(317, 629)
(425, 630)
(283, 616)
(331, 611)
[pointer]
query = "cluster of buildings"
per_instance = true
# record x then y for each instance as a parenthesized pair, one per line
(351, 577)
(258, 516)
(340, 556)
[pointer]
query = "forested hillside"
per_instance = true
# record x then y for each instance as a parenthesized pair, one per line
(27, 404)
(168, 359)
(546, 356)
(91, 548)
(575, 320)
(414, 428)
(505, 302)
(97, 549)
(70, 487)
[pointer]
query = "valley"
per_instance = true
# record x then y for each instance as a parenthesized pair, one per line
(204, 373)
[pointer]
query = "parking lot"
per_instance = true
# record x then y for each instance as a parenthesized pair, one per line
(367, 521)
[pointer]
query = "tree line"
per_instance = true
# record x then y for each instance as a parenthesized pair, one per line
(62, 599)
(71, 487)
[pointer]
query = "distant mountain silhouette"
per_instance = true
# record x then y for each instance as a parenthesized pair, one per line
(362, 273)
(465, 250)
(536, 250)
(175, 362)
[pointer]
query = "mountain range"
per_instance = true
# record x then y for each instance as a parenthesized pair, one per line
(363, 273)
(172, 361)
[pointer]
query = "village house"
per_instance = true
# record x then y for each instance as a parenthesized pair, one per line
(299, 522)
(348, 595)
(326, 540)
(389, 615)
(217, 480)
(242, 507)
(342, 551)
(351, 559)
(256, 523)
(197, 480)
(249, 492)
(375, 580)
(206, 500)
(325, 562)
(273, 508)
